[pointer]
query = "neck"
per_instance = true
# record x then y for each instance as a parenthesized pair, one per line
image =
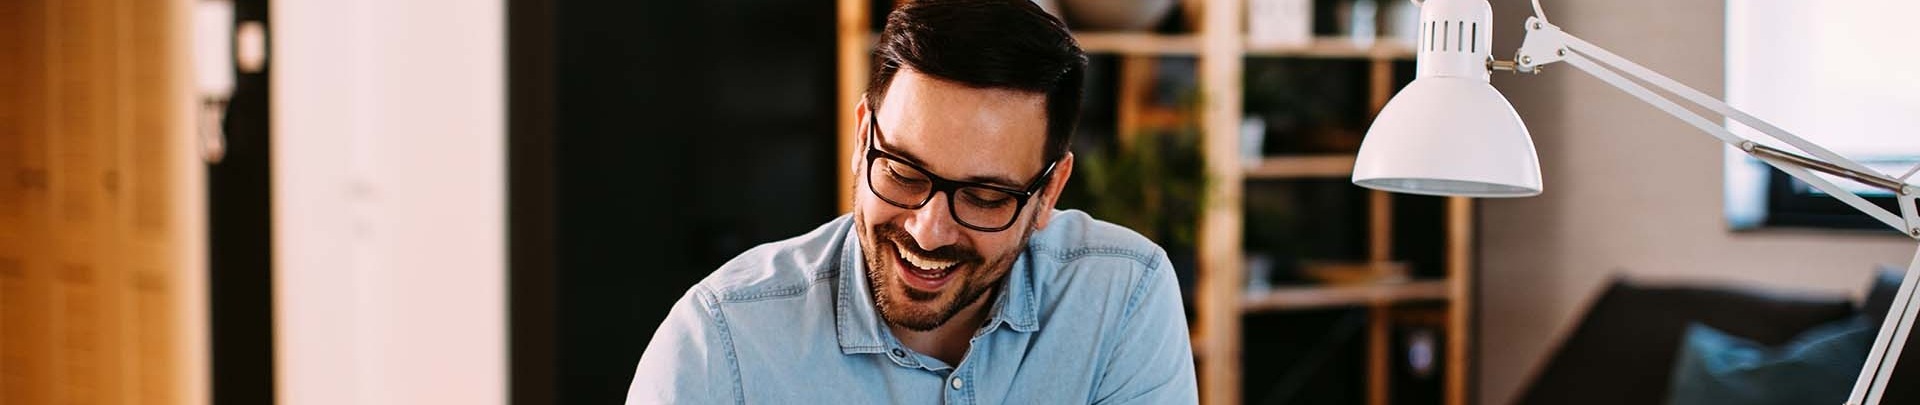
(948, 342)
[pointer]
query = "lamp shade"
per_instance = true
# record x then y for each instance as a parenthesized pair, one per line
(1449, 133)
(1449, 136)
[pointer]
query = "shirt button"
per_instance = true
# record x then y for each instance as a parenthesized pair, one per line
(898, 353)
(957, 383)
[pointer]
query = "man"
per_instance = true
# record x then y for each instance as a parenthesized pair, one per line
(953, 280)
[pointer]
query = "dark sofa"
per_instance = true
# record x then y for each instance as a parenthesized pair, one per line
(1623, 350)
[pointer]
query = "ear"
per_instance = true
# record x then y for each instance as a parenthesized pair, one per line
(1050, 195)
(859, 136)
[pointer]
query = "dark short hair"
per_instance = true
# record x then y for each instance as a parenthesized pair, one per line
(991, 44)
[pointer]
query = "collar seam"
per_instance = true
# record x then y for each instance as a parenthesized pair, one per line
(849, 335)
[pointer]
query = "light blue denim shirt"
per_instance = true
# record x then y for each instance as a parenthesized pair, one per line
(1090, 313)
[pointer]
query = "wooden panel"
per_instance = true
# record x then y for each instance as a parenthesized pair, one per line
(1380, 226)
(80, 53)
(1151, 44)
(89, 116)
(1336, 47)
(1379, 355)
(1222, 271)
(1320, 297)
(1379, 86)
(854, 52)
(24, 178)
(1138, 43)
(25, 369)
(1302, 167)
(1460, 311)
(153, 335)
(84, 366)
(150, 90)
(150, 156)
(17, 76)
(23, 335)
(1136, 86)
(86, 118)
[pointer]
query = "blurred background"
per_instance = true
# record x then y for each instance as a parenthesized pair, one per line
(447, 201)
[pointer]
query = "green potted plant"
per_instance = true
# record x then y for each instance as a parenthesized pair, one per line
(1155, 184)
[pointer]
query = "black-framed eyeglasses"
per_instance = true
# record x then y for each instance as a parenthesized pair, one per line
(978, 206)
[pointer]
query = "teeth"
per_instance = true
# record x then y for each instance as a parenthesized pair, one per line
(922, 262)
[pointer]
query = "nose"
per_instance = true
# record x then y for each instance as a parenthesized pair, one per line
(933, 226)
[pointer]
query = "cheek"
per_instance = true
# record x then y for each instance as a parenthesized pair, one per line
(997, 254)
(997, 245)
(872, 210)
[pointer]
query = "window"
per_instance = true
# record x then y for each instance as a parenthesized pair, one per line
(1844, 76)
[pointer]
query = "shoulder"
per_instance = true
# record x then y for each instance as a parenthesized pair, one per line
(1078, 253)
(1096, 277)
(782, 268)
(1073, 236)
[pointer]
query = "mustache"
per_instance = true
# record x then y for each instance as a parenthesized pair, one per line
(900, 237)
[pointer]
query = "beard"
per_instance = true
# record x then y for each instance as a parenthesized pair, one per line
(917, 310)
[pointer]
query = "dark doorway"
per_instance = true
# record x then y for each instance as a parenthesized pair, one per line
(240, 240)
(651, 142)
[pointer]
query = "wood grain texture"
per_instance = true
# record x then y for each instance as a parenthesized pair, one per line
(1379, 355)
(89, 118)
(1323, 297)
(1222, 271)
(855, 50)
(25, 371)
(1136, 87)
(1302, 167)
(1460, 245)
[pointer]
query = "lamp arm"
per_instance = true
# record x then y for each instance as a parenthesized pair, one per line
(1546, 44)
(1893, 335)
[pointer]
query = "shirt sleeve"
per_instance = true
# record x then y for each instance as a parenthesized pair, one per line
(690, 359)
(1154, 362)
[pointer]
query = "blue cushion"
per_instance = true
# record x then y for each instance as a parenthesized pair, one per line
(1886, 284)
(1816, 367)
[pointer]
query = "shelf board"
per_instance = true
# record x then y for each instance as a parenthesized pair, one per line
(1336, 47)
(1138, 43)
(1146, 43)
(1317, 297)
(1152, 44)
(1301, 167)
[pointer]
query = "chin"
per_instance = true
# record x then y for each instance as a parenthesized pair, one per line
(916, 309)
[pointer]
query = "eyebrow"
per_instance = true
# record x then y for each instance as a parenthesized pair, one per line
(997, 181)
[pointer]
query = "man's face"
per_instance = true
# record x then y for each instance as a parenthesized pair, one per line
(923, 265)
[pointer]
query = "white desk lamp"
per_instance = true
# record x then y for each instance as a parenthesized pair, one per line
(1449, 133)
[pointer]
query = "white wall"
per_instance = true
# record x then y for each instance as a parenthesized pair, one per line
(389, 189)
(1629, 191)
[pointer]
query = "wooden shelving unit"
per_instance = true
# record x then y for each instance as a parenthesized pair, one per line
(1142, 43)
(1221, 49)
(1316, 297)
(1301, 167)
(103, 287)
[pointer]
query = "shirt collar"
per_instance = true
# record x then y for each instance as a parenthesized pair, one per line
(858, 324)
(855, 320)
(1017, 303)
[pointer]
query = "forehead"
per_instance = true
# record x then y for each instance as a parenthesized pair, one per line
(964, 133)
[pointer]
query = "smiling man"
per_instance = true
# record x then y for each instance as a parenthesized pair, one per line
(954, 280)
